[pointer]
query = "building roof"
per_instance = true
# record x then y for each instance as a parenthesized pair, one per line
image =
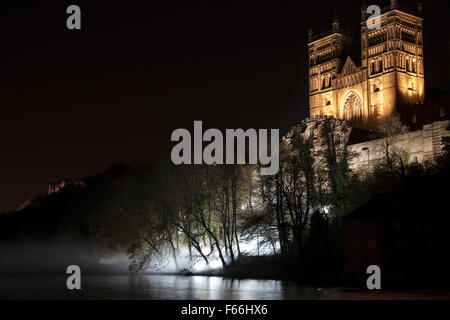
(418, 198)
(379, 207)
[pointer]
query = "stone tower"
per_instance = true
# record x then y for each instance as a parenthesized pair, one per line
(326, 54)
(391, 74)
(393, 59)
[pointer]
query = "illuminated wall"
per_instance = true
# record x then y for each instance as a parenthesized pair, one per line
(391, 75)
(325, 63)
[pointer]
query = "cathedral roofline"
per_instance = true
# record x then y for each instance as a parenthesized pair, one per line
(348, 68)
(404, 11)
(335, 29)
(416, 13)
(331, 32)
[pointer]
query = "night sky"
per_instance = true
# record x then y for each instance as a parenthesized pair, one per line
(73, 102)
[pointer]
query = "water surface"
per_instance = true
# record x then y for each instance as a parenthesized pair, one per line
(175, 287)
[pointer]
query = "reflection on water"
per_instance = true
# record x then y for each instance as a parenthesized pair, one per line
(182, 287)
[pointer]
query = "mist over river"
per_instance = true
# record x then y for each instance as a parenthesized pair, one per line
(177, 287)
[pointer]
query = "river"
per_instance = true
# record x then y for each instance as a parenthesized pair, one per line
(175, 287)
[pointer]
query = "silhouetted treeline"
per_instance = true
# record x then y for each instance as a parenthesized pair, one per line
(90, 212)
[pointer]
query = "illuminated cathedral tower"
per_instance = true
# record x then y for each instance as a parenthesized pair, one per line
(391, 74)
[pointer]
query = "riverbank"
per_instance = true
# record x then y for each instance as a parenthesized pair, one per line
(291, 269)
(274, 267)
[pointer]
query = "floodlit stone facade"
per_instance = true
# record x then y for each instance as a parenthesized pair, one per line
(389, 80)
(390, 74)
(418, 147)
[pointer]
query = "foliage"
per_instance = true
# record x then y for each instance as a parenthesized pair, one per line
(154, 213)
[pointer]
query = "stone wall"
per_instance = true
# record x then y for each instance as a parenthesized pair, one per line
(420, 146)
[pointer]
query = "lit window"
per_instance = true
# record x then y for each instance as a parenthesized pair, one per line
(442, 112)
(414, 118)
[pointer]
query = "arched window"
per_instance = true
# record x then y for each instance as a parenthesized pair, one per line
(372, 68)
(353, 108)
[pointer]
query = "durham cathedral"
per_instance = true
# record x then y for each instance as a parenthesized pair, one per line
(358, 83)
(390, 74)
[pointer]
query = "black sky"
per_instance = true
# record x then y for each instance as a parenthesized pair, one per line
(74, 102)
